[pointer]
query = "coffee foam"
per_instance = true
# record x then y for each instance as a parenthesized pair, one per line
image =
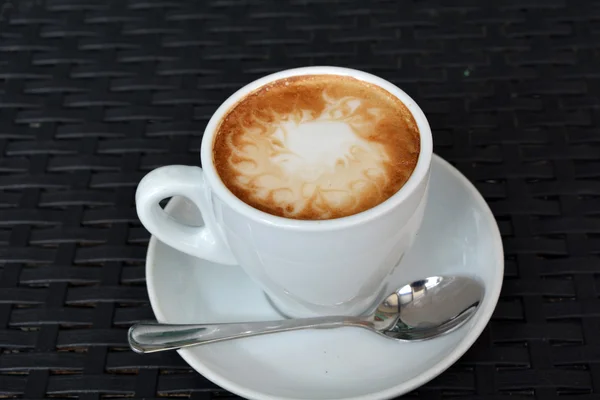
(316, 147)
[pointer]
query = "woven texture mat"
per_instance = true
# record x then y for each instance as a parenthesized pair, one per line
(95, 93)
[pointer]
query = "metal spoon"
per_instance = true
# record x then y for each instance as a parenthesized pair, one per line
(420, 310)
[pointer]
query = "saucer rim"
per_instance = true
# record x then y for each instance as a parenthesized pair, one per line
(482, 317)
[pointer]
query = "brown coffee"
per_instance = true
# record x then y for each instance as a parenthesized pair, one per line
(316, 147)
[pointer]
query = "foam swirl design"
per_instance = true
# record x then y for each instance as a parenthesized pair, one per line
(317, 147)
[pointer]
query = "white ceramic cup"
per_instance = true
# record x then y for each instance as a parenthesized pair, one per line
(307, 268)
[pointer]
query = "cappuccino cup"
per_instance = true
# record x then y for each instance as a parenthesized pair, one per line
(314, 181)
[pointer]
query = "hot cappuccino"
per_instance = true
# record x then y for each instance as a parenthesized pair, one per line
(316, 147)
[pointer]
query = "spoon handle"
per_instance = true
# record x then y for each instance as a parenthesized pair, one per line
(150, 337)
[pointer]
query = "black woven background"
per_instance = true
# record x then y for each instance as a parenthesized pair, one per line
(93, 94)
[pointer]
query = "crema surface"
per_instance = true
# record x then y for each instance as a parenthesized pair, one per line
(316, 147)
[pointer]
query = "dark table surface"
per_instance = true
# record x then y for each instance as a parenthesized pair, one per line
(95, 93)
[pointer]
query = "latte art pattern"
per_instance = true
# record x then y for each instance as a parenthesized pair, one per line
(281, 162)
(317, 147)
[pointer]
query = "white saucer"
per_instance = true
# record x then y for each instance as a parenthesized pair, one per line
(459, 236)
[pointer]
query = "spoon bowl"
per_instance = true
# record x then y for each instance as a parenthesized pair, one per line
(428, 308)
(421, 310)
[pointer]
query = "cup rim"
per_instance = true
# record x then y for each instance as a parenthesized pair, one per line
(418, 175)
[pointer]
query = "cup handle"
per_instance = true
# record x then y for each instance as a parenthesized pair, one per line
(189, 182)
